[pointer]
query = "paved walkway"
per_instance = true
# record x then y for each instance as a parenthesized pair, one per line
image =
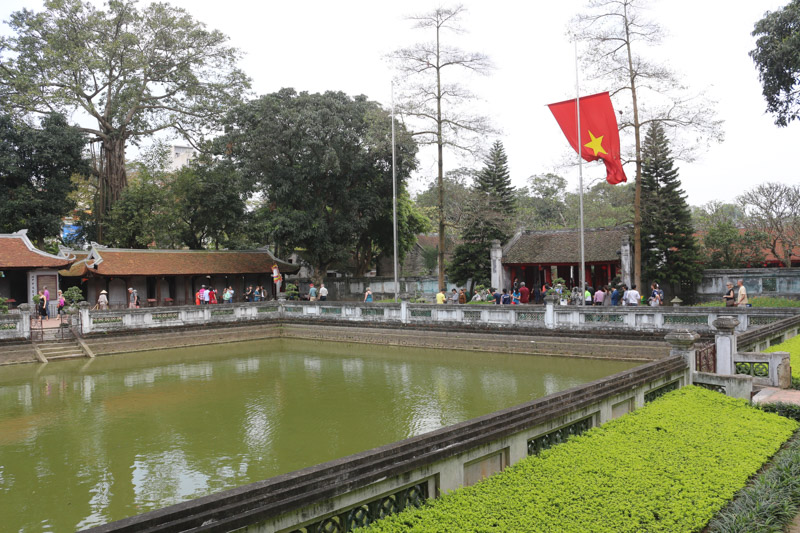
(773, 394)
(49, 323)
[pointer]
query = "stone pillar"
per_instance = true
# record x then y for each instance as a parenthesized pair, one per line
(550, 311)
(681, 342)
(726, 344)
(86, 322)
(25, 320)
(404, 312)
(625, 262)
(496, 258)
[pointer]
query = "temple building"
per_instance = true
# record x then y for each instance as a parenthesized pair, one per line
(538, 257)
(24, 269)
(172, 277)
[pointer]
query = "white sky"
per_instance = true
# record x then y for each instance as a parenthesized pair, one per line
(320, 45)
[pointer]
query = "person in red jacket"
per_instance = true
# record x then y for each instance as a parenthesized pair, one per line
(212, 296)
(524, 293)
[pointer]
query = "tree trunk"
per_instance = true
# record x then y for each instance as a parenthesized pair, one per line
(440, 177)
(637, 201)
(112, 178)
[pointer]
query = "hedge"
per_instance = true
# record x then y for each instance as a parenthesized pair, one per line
(793, 347)
(770, 502)
(669, 466)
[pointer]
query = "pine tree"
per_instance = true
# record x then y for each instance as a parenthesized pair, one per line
(669, 248)
(494, 179)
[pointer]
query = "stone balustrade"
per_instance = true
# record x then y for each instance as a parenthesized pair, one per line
(549, 316)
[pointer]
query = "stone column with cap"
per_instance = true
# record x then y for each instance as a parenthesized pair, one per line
(681, 343)
(726, 344)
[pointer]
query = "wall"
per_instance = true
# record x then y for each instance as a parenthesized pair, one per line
(758, 282)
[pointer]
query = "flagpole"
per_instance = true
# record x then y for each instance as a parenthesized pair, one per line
(394, 203)
(580, 174)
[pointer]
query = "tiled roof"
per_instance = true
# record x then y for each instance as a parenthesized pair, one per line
(17, 251)
(78, 268)
(563, 246)
(124, 262)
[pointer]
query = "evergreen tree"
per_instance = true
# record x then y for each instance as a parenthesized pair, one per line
(669, 248)
(494, 179)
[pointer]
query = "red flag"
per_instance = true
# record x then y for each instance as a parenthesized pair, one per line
(599, 133)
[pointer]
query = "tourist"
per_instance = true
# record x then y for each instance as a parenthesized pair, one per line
(462, 296)
(454, 297)
(212, 296)
(524, 293)
(312, 293)
(323, 292)
(729, 298)
(607, 297)
(587, 296)
(248, 294)
(537, 295)
(368, 295)
(616, 295)
(131, 298)
(231, 293)
(47, 301)
(102, 301)
(632, 296)
(41, 309)
(61, 303)
(515, 296)
(742, 300)
(599, 296)
(477, 297)
(257, 294)
(515, 285)
(207, 296)
(440, 297)
(505, 299)
(655, 295)
(498, 297)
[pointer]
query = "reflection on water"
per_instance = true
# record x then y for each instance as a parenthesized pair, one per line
(83, 443)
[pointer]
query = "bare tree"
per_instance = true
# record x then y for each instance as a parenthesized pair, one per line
(615, 33)
(434, 104)
(774, 209)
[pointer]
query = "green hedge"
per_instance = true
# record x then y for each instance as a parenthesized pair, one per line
(770, 502)
(669, 466)
(757, 301)
(793, 347)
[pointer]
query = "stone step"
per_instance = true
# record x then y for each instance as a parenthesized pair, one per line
(66, 356)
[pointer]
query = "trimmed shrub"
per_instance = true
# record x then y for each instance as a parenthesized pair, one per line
(789, 410)
(669, 466)
(770, 502)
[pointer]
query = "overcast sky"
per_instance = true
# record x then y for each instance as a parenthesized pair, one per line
(320, 45)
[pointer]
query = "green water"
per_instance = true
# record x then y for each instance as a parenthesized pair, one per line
(86, 442)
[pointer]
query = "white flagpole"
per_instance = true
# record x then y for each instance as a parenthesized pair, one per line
(394, 204)
(582, 273)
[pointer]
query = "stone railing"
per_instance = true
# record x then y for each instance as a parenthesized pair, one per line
(525, 317)
(354, 491)
(16, 325)
(777, 331)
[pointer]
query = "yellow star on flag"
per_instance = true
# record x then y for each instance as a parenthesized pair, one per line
(595, 144)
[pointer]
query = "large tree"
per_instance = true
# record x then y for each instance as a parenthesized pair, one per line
(433, 100)
(774, 209)
(134, 71)
(616, 33)
(777, 58)
(323, 166)
(36, 167)
(670, 252)
(495, 179)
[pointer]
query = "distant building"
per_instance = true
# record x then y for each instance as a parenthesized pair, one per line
(537, 257)
(180, 156)
(24, 269)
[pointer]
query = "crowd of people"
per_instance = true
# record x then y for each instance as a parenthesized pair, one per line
(520, 294)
